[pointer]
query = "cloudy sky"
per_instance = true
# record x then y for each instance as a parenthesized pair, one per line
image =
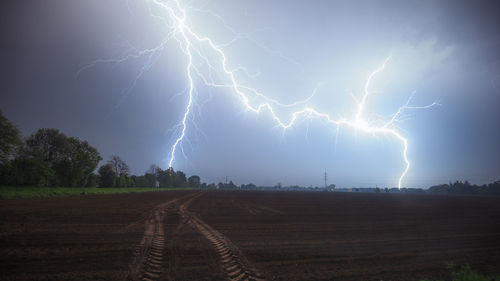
(445, 51)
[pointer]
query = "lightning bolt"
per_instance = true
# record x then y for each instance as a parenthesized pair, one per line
(212, 57)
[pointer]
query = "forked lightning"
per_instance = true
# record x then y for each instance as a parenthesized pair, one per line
(203, 52)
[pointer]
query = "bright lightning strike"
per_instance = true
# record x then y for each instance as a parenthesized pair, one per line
(213, 58)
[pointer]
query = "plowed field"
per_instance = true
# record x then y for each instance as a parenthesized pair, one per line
(244, 235)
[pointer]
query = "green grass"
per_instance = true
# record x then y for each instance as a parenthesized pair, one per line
(40, 192)
(465, 273)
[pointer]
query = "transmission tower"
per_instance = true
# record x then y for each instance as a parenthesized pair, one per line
(326, 180)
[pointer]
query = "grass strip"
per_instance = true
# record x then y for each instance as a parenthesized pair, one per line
(8, 192)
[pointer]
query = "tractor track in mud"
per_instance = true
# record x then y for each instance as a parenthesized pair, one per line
(149, 254)
(233, 262)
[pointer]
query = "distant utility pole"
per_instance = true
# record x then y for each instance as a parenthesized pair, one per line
(326, 179)
(226, 179)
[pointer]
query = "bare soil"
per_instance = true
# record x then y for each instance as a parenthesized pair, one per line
(244, 235)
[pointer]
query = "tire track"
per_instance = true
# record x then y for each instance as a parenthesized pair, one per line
(233, 262)
(147, 264)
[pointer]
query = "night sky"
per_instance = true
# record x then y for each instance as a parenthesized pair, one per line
(445, 51)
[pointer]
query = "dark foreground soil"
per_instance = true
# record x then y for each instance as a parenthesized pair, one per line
(191, 235)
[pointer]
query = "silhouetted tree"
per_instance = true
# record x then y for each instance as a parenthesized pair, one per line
(166, 178)
(441, 189)
(92, 180)
(107, 176)
(466, 188)
(81, 162)
(119, 166)
(194, 181)
(180, 179)
(48, 145)
(71, 161)
(10, 140)
(492, 188)
(123, 181)
(248, 186)
(29, 172)
(149, 180)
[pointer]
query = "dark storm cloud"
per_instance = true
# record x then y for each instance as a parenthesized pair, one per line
(45, 43)
(472, 26)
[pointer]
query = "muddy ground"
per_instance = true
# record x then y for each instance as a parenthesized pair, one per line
(243, 235)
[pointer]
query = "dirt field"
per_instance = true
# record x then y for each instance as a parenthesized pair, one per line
(191, 235)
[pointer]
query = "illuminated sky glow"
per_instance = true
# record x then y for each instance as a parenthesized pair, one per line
(192, 45)
(115, 73)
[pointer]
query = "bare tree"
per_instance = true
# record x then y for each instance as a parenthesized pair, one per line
(119, 166)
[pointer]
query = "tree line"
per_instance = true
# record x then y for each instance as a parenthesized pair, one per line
(50, 158)
(115, 173)
(465, 188)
